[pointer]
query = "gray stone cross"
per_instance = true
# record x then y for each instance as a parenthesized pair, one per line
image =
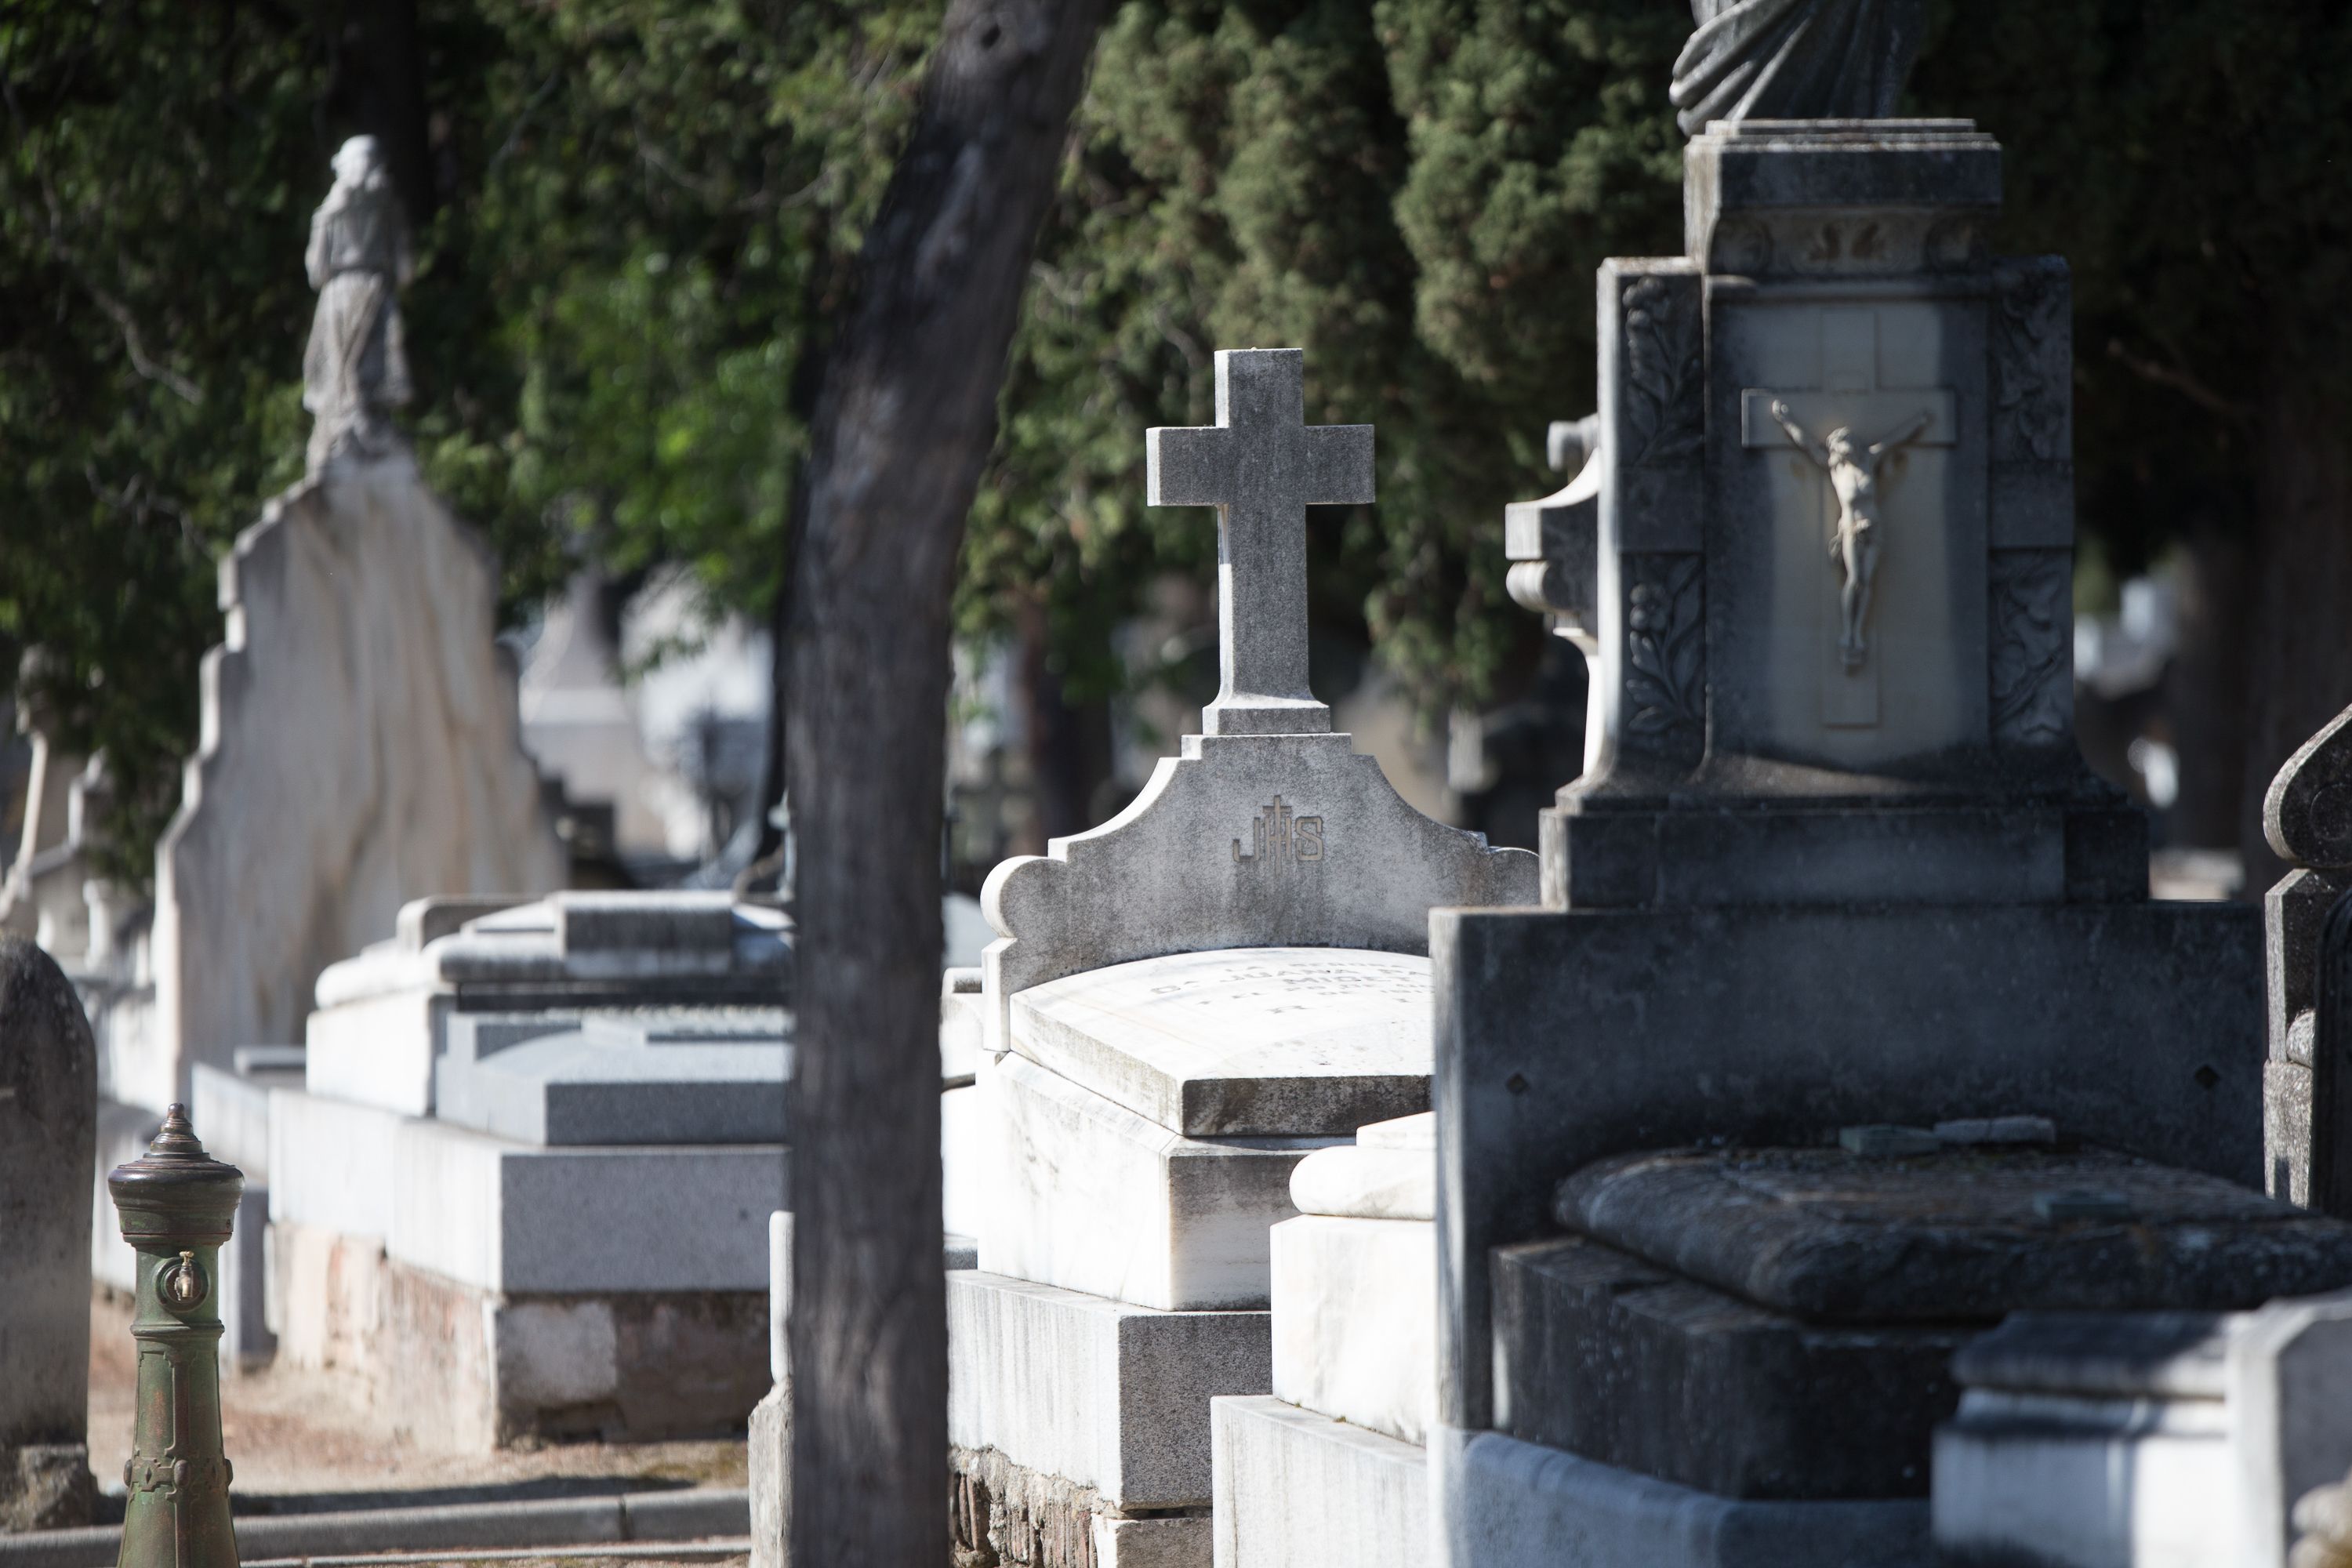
(1261, 465)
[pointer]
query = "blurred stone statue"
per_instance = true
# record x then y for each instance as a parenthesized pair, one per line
(1795, 59)
(356, 369)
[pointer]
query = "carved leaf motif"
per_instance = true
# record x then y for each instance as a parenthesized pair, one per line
(2028, 345)
(2032, 647)
(1662, 367)
(1664, 651)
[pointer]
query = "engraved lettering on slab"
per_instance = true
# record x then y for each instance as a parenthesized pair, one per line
(1276, 833)
(1846, 488)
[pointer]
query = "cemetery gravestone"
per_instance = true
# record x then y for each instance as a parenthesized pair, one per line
(49, 1105)
(2307, 1093)
(1185, 1001)
(1834, 864)
(358, 719)
(525, 1190)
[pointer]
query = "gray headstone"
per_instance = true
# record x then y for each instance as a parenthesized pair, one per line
(2307, 816)
(49, 1110)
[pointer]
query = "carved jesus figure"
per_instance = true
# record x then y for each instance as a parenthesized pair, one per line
(1853, 475)
(356, 368)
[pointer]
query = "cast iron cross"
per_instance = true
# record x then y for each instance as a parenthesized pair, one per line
(1261, 465)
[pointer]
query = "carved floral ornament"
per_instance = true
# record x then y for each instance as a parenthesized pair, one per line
(1664, 363)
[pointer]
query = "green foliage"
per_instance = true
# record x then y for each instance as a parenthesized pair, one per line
(2190, 162)
(1418, 194)
(646, 212)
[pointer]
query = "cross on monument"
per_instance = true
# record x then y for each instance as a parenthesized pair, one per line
(1261, 465)
(1851, 396)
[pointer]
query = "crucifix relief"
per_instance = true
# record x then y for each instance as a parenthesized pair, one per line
(1850, 432)
(1261, 465)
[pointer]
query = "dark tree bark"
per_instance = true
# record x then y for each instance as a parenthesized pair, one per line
(906, 418)
(2299, 658)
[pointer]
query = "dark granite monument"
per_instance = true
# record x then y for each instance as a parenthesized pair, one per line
(1835, 874)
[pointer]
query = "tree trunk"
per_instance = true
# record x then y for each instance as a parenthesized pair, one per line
(2299, 661)
(907, 418)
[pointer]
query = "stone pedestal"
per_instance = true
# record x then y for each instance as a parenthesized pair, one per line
(1834, 863)
(1187, 1001)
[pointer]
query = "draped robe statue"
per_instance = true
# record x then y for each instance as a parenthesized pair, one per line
(355, 370)
(1795, 59)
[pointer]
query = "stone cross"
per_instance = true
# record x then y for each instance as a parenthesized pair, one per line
(1849, 396)
(1261, 465)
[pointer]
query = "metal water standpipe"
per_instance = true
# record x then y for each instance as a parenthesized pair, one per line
(177, 1204)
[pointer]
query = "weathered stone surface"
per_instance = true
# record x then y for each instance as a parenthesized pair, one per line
(2307, 816)
(48, 1108)
(1355, 1321)
(383, 1018)
(1295, 1490)
(1564, 1038)
(1502, 1503)
(1281, 1040)
(1090, 1196)
(1261, 466)
(456, 1366)
(1004, 1515)
(1106, 1396)
(770, 1476)
(360, 749)
(1829, 1237)
(1240, 841)
(1617, 1359)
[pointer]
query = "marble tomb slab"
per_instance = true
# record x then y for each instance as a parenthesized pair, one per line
(1278, 1041)
(712, 1076)
(382, 1016)
(1089, 1196)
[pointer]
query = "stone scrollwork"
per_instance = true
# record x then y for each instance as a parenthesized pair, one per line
(2307, 811)
(2033, 359)
(1662, 421)
(1665, 653)
(2032, 647)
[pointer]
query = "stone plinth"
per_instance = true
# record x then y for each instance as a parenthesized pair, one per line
(382, 1017)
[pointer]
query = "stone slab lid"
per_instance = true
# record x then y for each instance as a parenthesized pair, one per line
(2104, 1355)
(712, 1076)
(1300, 1041)
(608, 943)
(1962, 1233)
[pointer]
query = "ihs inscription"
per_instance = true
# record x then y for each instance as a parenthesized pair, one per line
(1279, 835)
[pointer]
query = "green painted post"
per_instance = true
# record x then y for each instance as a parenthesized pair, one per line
(176, 1203)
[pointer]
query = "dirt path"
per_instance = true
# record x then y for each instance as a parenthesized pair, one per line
(305, 1441)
